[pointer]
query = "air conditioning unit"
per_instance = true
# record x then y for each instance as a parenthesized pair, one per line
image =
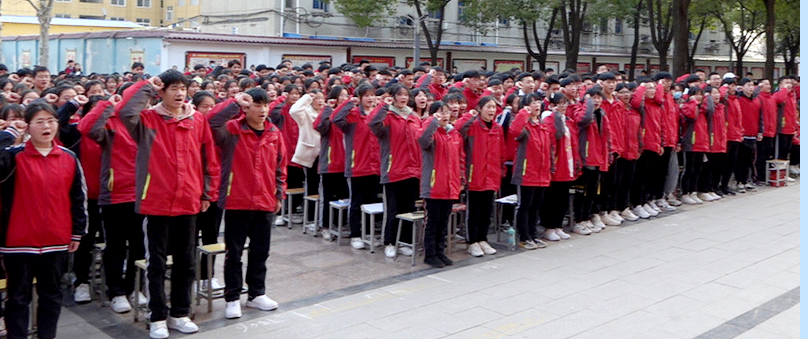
(289, 4)
(404, 21)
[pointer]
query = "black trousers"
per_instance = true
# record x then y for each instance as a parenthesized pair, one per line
(710, 175)
(295, 177)
(123, 230)
(784, 144)
(660, 173)
(48, 269)
(746, 161)
(399, 197)
(649, 179)
(170, 236)
(765, 151)
(528, 208)
(479, 209)
(506, 189)
(795, 155)
(364, 190)
(333, 187)
(693, 164)
(731, 163)
(208, 223)
(608, 188)
(585, 204)
(238, 226)
(437, 220)
(625, 179)
(555, 204)
(82, 258)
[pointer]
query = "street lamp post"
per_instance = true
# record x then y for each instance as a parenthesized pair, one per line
(416, 54)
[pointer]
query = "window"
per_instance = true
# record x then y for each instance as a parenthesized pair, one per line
(61, 15)
(144, 3)
(320, 4)
(170, 13)
(604, 26)
(435, 14)
(618, 26)
(91, 1)
(143, 22)
(504, 22)
(461, 10)
(118, 2)
(62, 0)
(93, 17)
(115, 18)
(194, 2)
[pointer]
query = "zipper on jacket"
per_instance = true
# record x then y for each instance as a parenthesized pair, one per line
(146, 187)
(353, 158)
(389, 162)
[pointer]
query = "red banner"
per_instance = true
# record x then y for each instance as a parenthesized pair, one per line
(506, 65)
(377, 61)
(408, 62)
(583, 68)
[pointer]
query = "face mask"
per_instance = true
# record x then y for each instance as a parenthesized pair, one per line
(677, 95)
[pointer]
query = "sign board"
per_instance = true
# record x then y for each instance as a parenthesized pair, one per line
(376, 61)
(204, 58)
(613, 67)
(302, 59)
(408, 62)
(25, 58)
(757, 73)
(506, 65)
(583, 68)
(463, 65)
(70, 54)
(136, 56)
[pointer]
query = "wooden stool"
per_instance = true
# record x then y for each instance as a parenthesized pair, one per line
(417, 219)
(368, 211)
(311, 224)
(457, 210)
(286, 209)
(206, 291)
(98, 279)
(509, 200)
(339, 206)
(141, 265)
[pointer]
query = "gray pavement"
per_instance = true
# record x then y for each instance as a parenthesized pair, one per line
(719, 270)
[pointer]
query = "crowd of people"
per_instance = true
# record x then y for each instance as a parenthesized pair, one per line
(147, 163)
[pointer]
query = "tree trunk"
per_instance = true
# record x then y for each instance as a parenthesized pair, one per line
(680, 36)
(526, 39)
(739, 62)
(572, 24)
(768, 69)
(635, 46)
(433, 47)
(44, 16)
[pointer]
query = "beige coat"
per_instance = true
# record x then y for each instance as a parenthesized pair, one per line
(308, 140)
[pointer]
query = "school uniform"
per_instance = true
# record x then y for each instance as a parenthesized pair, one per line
(765, 148)
(735, 134)
(717, 153)
(628, 161)
(786, 121)
(593, 147)
(532, 171)
(752, 120)
(566, 164)
(646, 186)
(695, 142)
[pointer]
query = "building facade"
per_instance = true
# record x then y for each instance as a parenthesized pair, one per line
(148, 13)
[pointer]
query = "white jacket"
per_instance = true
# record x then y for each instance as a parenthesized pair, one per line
(308, 140)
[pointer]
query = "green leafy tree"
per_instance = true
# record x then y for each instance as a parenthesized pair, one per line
(788, 33)
(366, 13)
(742, 23)
(661, 20)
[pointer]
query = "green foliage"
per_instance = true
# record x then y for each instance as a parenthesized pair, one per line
(365, 13)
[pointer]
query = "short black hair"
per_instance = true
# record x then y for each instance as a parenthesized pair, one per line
(744, 81)
(594, 91)
(693, 90)
(291, 87)
(606, 76)
(233, 62)
(729, 81)
(3, 67)
(493, 81)
(38, 69)
(572, 78)
(663, 75)
(471, 74)
(259, 95)
(171, 77)
(260, 67)
(201, 95)
(137, 64)
(198, 67)
(35, 107)
(523, 75)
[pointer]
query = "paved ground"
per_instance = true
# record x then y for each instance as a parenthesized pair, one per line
(720, 270)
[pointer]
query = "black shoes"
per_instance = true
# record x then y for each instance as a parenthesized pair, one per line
(434, 262)
(446, 261)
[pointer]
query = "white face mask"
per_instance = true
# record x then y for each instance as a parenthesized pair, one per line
(677, 95)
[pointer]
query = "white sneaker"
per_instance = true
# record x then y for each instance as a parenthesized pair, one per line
(687, 199)
(654, 206)
(665, 206)
(233, 309)
(705, 197)
(326, 234)
(790, 179)
(650, 210)
(561, 234)
(716, 196)
(390, 251)
(596, 221)
(279, 221)
(405, 251)
(357, 243)
(82, 293)
(182, 324)
(487, 249)
(641, 212)
(615, 214)
(138, 298)
(608, 220)
(673, 201)
(594, 228)
(475, 250)
(3, 331)
(581, 228)
(628, 215)
(695, 197)
(263, 303)
(119, 304)
(158, 330)
(551, 235)
(214, 284)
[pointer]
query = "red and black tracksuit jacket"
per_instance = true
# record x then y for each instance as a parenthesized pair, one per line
(443, 161)
(633, 133)
(44, 198)
(439, 91)
(566, 159)
(734, 116)
(398, 144)
(279, 116)
(615, 111)
(718, 129)
(89, 153)
(752, 114)
(253, 167)
(769, 106)
(696, 131)
(176, 166)
(484, 144)
(651, 112)
(472, 98)
(669, 124)
(361, 145)
(103, 127)
(332, 149)
(593, 137)
(786, 111)
(532, 165)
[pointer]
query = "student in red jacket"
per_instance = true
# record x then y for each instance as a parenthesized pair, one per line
(565, 163)
(361, 156)
(176, 178)
(717, 154)
(614, 110)
(765, 147)
(485, 158)
(786, 101)
(626, 164)
(123, 228)
(331, 165)
(752, 118)
(397, 127)
(695, 142)
(667, 173)
(279, 116)
(593, 146)
(729, 95)
(531, 170)
(647, 172)
(435, 82)
(251, 191)
(443, 158)
(44, 216)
